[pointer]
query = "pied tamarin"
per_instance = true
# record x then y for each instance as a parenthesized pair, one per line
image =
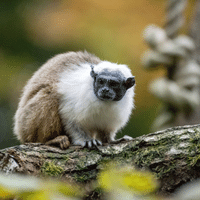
(75, 98)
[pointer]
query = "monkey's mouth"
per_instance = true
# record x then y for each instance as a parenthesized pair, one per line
(106, 97)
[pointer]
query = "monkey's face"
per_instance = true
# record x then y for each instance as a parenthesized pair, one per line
(111, 86)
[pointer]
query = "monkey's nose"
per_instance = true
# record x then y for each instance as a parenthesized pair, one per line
(105, 90)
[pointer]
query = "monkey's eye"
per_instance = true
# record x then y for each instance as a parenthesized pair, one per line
(114, 83)
(100, 81)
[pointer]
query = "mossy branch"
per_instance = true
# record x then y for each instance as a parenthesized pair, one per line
(172, 154)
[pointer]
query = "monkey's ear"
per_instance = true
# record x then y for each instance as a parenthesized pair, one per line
(130, 82)
(92, 73)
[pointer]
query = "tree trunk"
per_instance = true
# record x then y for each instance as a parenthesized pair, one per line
(173, 155)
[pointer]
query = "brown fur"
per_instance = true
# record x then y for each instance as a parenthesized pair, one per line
(37, 118)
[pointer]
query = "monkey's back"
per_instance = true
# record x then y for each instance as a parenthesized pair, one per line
(37, 118)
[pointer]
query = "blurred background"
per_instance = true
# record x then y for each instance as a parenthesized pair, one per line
(32, 31)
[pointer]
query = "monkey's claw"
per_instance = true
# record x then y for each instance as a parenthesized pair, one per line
(92, 143)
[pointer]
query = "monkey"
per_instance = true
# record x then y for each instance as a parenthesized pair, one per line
(75, 99)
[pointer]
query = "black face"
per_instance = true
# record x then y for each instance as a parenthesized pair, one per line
(111, 86)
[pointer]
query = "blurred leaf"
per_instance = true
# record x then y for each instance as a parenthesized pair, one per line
(16, 182)
(62, 188)
(5, 192)
(13, 184)
(140, 181)
(26, 187)
(36, 195)
(126, 178)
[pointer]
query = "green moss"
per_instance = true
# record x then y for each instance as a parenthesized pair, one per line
(66, 158)
(80, 178)
(85, 176)
(51, 169)
(160, 171)
(194, 149)
(81, 164)
(143, 157)
(194, 160)
(195, 138)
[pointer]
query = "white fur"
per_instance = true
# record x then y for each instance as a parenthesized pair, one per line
(79, 103)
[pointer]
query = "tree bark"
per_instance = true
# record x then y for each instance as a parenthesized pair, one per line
(173, 155)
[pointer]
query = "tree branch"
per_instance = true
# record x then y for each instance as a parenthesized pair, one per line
(172, 154)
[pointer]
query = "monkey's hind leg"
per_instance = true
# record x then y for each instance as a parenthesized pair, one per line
(37, 119)
(61, 141)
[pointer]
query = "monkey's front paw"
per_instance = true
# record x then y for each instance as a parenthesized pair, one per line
(61, 141)
(92, 143)
(89, 143)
